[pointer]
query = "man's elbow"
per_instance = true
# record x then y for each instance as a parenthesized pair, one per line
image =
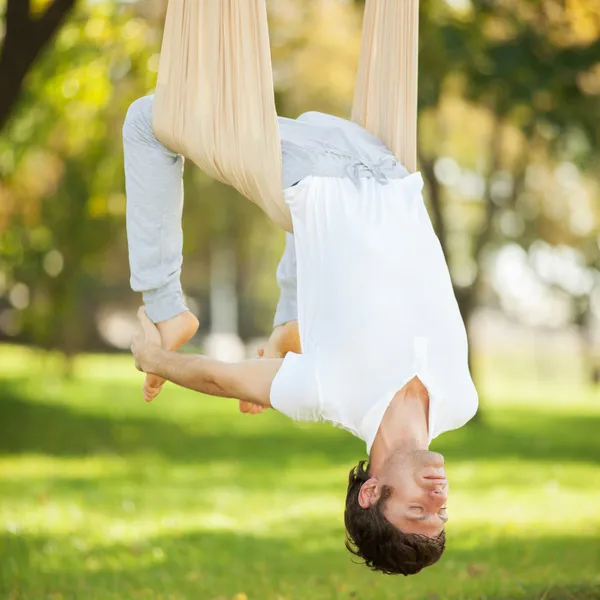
(244, 381)
(211, 377)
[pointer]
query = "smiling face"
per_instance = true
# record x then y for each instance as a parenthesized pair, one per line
(418, 492)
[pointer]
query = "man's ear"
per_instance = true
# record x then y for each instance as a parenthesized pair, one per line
(369, 493)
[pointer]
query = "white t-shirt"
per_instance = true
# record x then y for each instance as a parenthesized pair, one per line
(375, 308)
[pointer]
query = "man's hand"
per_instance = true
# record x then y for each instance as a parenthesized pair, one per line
(146, 344)
(284, 338)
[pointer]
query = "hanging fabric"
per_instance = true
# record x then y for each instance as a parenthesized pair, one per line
(214, 100)
(385, 97)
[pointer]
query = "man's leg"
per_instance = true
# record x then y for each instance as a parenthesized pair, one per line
(154, 186)
(286, 335)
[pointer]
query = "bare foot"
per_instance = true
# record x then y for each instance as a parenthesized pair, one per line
(174, 333)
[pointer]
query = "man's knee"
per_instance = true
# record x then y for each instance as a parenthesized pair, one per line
(138, 122)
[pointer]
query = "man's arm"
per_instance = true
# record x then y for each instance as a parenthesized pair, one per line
(249, 380)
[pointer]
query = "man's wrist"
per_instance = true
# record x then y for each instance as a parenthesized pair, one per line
(154, 360)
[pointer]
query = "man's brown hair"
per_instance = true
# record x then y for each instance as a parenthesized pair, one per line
(383, 547)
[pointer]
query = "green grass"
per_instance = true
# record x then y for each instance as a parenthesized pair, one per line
(104, 497)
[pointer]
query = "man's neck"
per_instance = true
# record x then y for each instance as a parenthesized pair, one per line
(405, 425)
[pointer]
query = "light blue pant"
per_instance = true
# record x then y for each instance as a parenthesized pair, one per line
(314, 144)
(154, 187)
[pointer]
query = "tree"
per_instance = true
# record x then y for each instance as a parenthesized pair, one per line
(492, 87)
(519, 69)
(61, 190)
(26, 37)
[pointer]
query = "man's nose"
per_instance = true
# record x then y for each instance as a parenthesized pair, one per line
(439, 495)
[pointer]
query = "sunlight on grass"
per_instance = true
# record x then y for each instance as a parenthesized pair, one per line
(106, 497)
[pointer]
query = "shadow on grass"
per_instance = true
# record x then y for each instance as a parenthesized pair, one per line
(528, 435)
(58, 430)
(221, 564)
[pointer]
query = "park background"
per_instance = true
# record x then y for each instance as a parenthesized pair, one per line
(103, 497)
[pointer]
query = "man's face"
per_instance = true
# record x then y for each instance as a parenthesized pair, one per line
(419, 492)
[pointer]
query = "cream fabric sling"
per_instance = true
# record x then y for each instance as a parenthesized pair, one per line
(385, 97)
(214, 101)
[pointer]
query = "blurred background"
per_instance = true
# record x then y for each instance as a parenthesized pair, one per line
(509, 147)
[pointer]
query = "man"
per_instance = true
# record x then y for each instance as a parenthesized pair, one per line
(384, 349)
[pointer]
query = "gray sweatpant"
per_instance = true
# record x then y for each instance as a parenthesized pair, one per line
(314, 144)
(154, 187)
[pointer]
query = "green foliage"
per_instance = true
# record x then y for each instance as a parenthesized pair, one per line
(61, 164)
(507, 89)
(106, 497)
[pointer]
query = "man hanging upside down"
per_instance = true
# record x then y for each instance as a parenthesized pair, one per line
(377, 345)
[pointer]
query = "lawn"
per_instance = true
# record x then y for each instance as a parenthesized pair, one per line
(104, 497)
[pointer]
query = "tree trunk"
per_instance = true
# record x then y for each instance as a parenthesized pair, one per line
(466, 297)
(435, 200)
(467, 303)
(25, 38)
(584, 322)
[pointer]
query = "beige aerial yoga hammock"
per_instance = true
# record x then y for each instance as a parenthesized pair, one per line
(215, 104)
